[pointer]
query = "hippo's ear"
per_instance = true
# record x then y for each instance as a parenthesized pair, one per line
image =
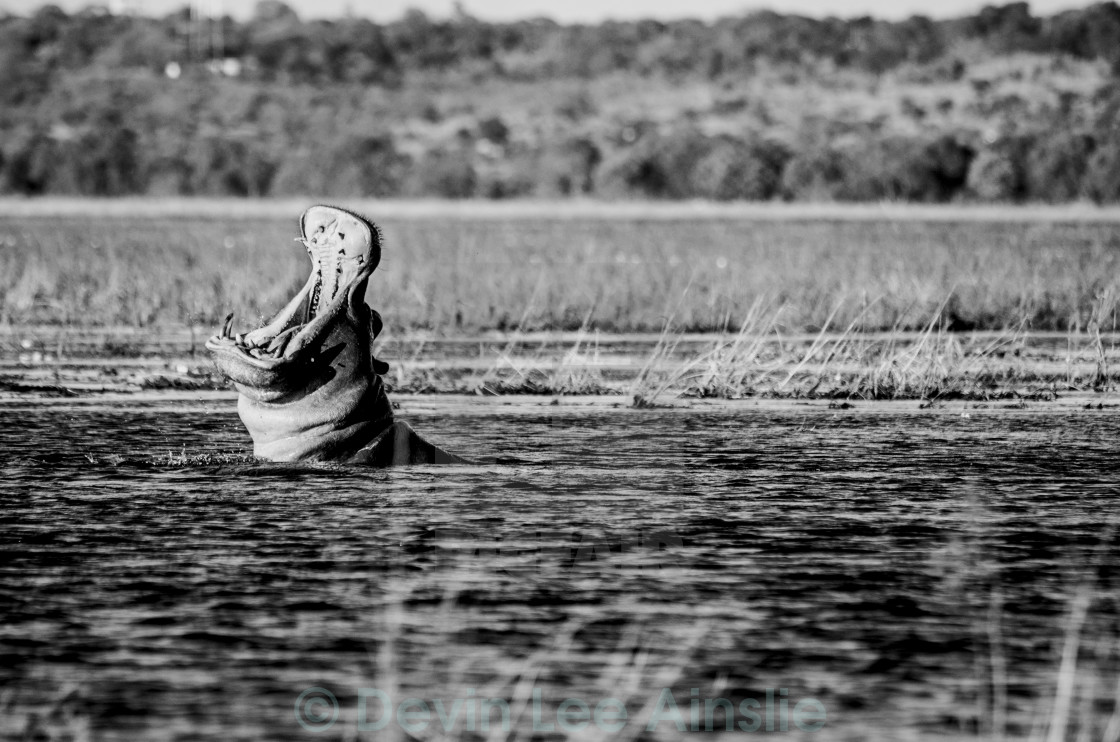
(375, 324)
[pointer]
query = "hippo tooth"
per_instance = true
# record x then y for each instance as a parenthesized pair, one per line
(228, 325)
(280, 341)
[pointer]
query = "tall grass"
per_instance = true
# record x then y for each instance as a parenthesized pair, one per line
(456, 275)
(931, 365)
(421, 652)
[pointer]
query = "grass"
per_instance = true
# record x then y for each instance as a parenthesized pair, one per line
(456, 275)
(428, 639)
(803, 301)
(930, 365)
(633, 670)
(933, 371)
(758, 360)
(1081, 700)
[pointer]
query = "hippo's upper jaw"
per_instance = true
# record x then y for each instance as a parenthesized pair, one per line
(342, 246)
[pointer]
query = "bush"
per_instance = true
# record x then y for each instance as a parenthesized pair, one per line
(368, 166)
(949, 162)
(867, 168)
(231, 167)
(998, 173)
(1087, 33)
(445, 174)
(687, 164)
(734, 170)
(1102, 177)
(94, 162)
(918, 169)
(568, 168)
(1056, 164)
(814, 174)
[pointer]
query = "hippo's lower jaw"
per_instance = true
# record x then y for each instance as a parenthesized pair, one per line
(265, 378)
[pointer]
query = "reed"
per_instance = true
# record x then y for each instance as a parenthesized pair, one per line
(931, 365)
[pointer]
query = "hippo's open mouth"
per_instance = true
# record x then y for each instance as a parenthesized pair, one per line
(344, 249)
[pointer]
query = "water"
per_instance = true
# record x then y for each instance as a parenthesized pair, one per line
(911, 570)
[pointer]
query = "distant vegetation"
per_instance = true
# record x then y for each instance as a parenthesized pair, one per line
(1002, 106)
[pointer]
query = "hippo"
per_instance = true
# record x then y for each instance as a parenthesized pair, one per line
(309, 386)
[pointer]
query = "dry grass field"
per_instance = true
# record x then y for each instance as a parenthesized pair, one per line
(866, 302)
(620, 269)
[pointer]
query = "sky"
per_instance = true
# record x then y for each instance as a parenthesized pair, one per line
(572, 10)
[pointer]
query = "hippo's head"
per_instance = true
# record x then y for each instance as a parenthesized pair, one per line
(308, 381)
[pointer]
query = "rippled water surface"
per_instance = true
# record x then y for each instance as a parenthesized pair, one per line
(913, 570)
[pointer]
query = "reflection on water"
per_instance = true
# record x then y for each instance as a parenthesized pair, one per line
(911, 570)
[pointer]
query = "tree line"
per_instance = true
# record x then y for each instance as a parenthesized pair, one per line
(99, 104)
